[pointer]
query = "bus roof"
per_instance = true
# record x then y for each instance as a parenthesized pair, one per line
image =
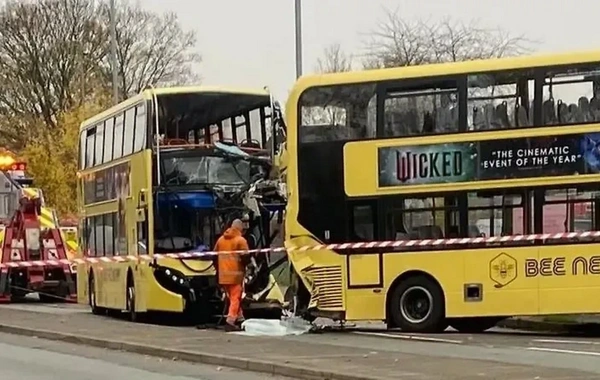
(148, 93)
(439, 69)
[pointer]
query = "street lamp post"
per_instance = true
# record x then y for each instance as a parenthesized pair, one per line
(113, 51)
(298, 12)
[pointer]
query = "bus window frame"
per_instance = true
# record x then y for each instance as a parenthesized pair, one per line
(384, 88)
(543, 73)
(82, 149)
(375, 94)
(128, 131)
(138, 147)
(372, 204)
(93, 129)
(108, 154)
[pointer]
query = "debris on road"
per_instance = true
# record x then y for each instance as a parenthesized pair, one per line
(273, 327)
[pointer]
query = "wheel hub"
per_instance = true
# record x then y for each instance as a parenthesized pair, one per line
(416, 304)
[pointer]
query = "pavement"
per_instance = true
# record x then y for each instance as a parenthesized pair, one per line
(367, 353)
(64, 361)
(566, 324)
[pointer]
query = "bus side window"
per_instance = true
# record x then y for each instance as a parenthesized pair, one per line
(337, 113)
(109, 239)
(495, 215)
(500, 100)
(424, 109)
(568, 210)
(362, 225)
(424, 218)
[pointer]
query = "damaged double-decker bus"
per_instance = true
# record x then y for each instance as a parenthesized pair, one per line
(412, 163)
(166, 172)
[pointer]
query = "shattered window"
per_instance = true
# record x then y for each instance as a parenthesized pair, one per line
(204, 170)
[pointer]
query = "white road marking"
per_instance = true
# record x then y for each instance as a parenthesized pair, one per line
(559, 351)
(408, 337)
(565, 341)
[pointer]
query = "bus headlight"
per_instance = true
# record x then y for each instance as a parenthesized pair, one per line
(171, 279)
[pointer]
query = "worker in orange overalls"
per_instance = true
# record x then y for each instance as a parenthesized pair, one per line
(231, 270)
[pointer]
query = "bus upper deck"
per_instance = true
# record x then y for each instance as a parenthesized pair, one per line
(201, 138)
(483, 95)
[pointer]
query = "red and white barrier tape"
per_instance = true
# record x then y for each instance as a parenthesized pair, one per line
(342, 246)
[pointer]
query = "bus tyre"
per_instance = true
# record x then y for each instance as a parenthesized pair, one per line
(418, 305)
(474, 325)
(131, 313)
(92, 297)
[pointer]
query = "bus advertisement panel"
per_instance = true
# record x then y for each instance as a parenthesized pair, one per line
(510, 158)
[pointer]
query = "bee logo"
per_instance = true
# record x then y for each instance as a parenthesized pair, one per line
(503, 270)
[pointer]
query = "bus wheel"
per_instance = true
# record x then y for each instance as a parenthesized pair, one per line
(92, 297)
(131, 313)
(418, 305)
(474, 325)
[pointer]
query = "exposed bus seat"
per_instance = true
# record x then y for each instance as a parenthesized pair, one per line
(521, 117)
(584, 110)
(563, 111)
(430, 124)
(568, 114)
(491, 121)
(478, 119)
(574, 114)
(549, 112)
(502, 115)
(595, 108)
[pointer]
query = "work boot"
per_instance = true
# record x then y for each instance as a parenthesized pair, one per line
(230, 328)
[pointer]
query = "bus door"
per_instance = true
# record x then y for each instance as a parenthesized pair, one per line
(365, 269)
(137, 219)
(142, 246)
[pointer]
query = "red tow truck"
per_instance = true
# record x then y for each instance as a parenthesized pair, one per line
(33, 258)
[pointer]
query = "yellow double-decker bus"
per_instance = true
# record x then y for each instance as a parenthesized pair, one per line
(488, 149)
(165, 172)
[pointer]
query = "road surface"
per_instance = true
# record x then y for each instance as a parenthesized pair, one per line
(23, 358)
(370, 351)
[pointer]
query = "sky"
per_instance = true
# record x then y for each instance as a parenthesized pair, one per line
(251, 43)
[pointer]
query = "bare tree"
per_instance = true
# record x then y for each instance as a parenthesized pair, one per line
(399, 42)
(334, 60)
(54, 56)
(152, 49)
